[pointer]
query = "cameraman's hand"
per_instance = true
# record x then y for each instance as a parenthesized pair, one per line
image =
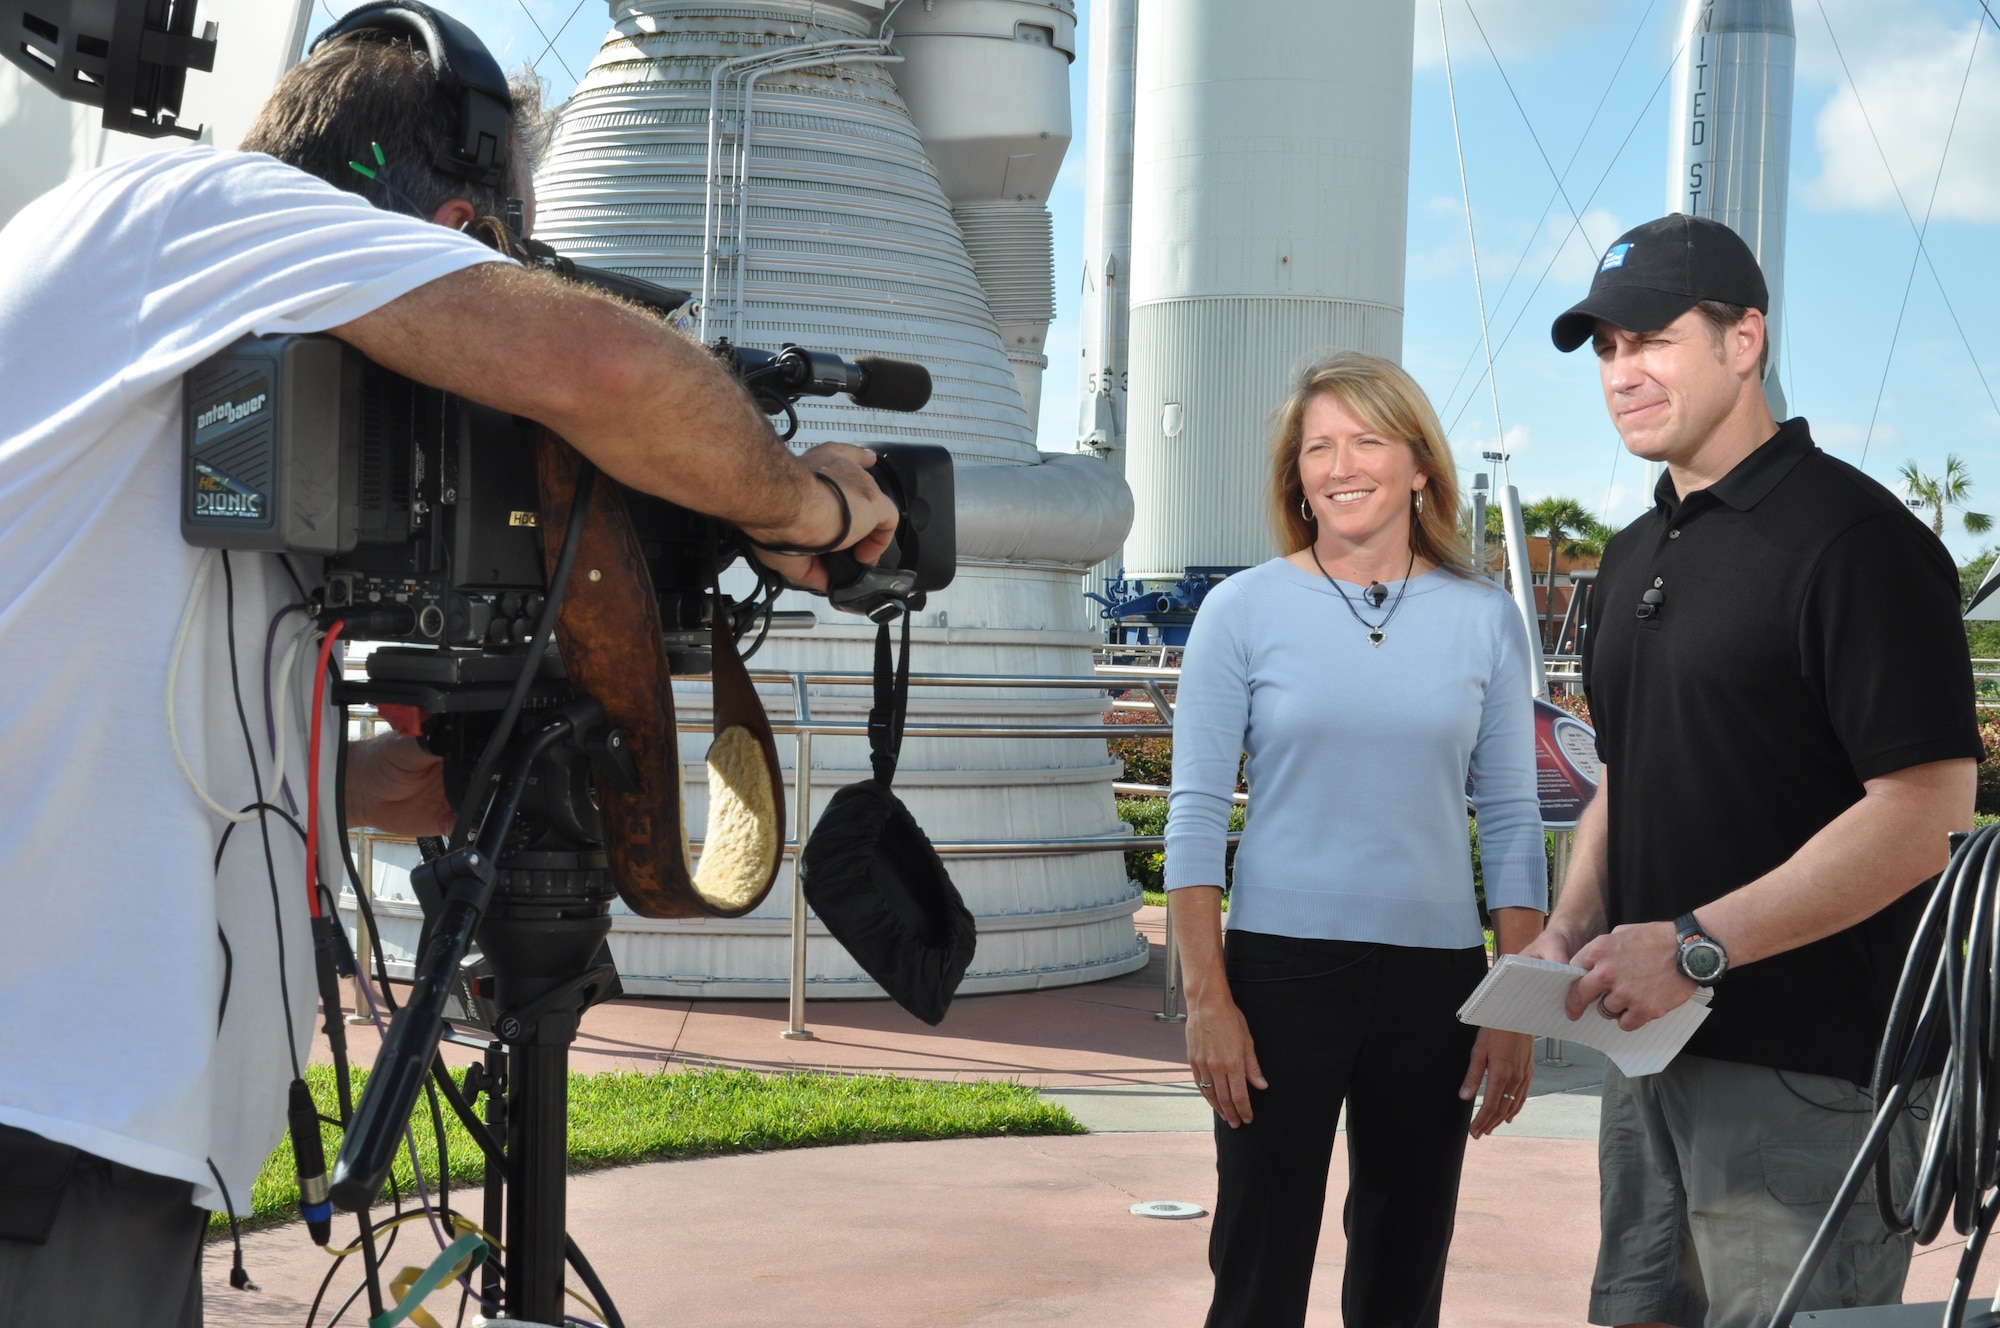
(393, 784)
(872, 524)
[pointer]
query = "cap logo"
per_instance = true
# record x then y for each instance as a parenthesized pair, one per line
(1614, 257)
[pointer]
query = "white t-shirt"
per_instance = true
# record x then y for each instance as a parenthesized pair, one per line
(117, 934)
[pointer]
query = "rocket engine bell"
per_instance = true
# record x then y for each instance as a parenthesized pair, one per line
(1729, 148)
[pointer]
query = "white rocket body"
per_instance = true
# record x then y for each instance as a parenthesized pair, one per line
(1729, 146)
(1105, 330)
(878, 184)
(1270, 190)
(987, 84)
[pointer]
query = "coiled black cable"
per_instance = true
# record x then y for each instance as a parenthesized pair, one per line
(1949, 981)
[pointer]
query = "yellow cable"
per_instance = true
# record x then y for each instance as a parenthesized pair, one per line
(463, 1226)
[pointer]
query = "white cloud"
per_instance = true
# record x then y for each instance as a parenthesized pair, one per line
(1515, 27)
(1846, 438)
(1476, 437)
(1573, 248)
(1626, 500)
(1581, 245)
(1870, 30)
(1909, 83)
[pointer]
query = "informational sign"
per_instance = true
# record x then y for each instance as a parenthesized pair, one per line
(1566, 766)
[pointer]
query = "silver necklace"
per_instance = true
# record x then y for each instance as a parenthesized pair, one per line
(1376, 591)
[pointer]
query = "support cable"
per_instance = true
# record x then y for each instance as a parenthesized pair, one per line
(542, 32)
(1472, 355)
(1910, 281)
(1478, 285)
(1908, 216)
(1550, 267)
(1527, 123)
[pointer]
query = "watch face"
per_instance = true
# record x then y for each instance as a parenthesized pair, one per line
(1702, 960)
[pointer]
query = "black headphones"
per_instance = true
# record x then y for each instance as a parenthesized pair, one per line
(467, 74)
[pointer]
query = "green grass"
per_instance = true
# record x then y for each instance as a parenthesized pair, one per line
(624, 1117)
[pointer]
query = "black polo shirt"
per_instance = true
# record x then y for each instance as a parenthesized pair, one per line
(1807, 639)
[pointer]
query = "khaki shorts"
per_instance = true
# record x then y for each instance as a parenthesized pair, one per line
(1714, 1178)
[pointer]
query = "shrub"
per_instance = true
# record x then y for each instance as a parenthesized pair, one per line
(1570, 697)
(1148, 816)
(1146, 760)
(1988, 801)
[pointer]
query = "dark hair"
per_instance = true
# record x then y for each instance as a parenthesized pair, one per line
(1721, 317)
(365, 89)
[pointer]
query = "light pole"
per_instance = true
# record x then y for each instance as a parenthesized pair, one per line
(1479, 486)
(1523, 585)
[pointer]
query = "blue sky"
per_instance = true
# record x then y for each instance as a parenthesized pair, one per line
(1850, 247)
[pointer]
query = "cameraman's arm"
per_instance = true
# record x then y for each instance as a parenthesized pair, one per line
(650, 407)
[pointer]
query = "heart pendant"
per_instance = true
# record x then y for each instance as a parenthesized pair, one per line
(1375, 638)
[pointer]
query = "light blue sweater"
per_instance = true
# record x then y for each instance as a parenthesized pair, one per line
(1357, 758)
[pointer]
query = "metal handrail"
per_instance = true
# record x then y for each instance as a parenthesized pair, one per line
(803, 728)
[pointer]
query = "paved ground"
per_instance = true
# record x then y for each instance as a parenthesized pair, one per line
(996, 1231)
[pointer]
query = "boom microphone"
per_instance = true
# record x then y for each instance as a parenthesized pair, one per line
(892, 384)
(871, 381)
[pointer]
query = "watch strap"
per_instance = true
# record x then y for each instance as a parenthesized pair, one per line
(1687, 927)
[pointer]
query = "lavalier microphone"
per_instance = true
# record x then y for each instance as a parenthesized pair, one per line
(1376, 593)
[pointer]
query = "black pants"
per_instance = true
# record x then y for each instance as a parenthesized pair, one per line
(87, 1241)
(1373, 1027)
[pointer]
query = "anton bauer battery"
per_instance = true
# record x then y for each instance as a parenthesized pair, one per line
(269, 457)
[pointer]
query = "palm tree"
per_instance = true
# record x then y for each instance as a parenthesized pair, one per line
(1592, 538)
(1951, 489)
(1567, 523)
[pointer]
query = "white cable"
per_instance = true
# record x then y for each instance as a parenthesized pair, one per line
(282, 721)
(173, 679)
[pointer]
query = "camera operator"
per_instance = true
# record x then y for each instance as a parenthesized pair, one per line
(155, 963)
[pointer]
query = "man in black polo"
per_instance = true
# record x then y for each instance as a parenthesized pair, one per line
(1783, 699)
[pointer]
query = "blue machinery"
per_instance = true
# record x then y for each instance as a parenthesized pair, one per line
(1156, 612)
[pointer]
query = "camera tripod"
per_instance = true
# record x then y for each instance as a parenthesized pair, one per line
(534, 889)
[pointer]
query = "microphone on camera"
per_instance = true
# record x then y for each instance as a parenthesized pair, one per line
(891, 384)
(871, 380)
(1376, 593)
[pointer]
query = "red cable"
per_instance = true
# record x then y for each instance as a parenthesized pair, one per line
(312, 769)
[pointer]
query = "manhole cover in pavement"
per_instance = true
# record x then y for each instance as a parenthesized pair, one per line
(1169, 1208)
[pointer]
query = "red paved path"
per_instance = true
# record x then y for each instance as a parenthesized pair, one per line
(998, 1231)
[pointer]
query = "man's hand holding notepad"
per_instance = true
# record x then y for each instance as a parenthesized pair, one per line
(1525, 995)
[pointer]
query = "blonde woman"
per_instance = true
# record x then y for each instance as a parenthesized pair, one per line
(1364, 674)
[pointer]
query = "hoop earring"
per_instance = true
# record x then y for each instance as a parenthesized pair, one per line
(1420, 500)
(1305, 513)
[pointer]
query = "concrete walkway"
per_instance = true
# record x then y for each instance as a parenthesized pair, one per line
(993, 1231)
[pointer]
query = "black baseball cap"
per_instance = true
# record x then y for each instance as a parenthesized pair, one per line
(1659, 271)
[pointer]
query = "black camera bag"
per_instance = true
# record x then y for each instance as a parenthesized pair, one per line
(873, 877)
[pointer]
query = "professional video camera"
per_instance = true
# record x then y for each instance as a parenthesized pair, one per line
(424, 505)
(465, 536)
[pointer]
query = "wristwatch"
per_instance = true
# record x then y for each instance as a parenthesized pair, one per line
(1701, 959)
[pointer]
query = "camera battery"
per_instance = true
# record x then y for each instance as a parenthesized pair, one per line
(270, 456)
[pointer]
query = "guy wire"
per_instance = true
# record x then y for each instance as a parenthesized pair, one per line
(1478, 284)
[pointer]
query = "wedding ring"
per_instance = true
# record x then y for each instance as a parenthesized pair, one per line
(1507, 1096)
(1201, 1085)
(1605, 1010)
